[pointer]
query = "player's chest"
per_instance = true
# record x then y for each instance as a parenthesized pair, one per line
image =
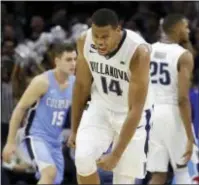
(59, 93)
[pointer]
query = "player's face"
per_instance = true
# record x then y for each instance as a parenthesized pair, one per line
(104, 38)
(184, 30)
(67, 62)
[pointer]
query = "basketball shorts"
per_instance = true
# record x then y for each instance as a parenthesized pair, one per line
(40, 154)
(100, 127)
(167, 139)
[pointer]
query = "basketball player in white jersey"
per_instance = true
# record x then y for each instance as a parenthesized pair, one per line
(115, 63)
(171, 136)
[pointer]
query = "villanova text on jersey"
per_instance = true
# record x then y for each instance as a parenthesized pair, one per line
(47, 117)
(108, 70)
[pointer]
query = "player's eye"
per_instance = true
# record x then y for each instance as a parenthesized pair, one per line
(105, 36)
(69, 59)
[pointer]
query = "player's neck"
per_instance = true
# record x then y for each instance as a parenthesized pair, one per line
(169, 39)
(61, 77)
(118, 40)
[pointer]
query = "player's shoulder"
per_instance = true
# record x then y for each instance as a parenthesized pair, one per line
(183, 54)
(156, 44)
(137, 39)
(186, 57)
(134, 36)
(179, 47)
(175, 48)
(41, 80)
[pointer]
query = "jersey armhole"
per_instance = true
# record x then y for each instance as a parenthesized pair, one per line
(133, 52)
(47, 76)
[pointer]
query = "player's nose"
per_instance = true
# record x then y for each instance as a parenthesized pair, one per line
(74, 63)
(100, 43)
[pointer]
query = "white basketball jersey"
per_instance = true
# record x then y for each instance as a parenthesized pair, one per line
(164, 72)
(111, 74)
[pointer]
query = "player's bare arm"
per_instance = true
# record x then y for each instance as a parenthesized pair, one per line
(34, 91)
(185, 67)
(82, 86)
(188, 45)
(138, 87)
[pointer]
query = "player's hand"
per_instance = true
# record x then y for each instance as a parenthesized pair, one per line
(8, 151)
(71, 140)
(189, 150)
(107, 162)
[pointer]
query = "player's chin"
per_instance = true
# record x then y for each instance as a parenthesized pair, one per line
(71, 72)
(185, 39)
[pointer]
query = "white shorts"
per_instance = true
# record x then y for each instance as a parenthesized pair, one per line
(100, 127)
(168, 139)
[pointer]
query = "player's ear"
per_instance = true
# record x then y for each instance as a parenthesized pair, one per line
(56, 59)
(118, 29)
(175, 29)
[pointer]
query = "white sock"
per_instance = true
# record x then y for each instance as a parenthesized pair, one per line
(182, 176)
(121, 179)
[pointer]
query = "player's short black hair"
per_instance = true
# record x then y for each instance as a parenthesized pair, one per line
(59, 49)
(170, 21)
(105, 17)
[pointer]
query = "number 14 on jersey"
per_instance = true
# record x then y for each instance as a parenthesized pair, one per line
(111, 86)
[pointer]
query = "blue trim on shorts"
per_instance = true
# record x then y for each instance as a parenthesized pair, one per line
(30, 151)
(147, 128)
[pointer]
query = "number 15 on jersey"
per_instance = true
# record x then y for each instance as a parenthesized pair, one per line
(58, 118)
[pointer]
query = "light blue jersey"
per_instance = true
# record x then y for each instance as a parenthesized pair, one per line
(45, 122)
(47, 117)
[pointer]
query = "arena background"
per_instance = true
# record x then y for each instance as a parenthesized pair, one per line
(29, 32)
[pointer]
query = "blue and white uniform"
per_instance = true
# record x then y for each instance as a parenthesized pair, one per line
(45, 120)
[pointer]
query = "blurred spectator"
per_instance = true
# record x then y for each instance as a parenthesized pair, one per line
(7, 101)
(148, 29)
(59, 18)
(12, 30)
(8, 32)
(20, 12)
(8, 48)
(37, 27)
